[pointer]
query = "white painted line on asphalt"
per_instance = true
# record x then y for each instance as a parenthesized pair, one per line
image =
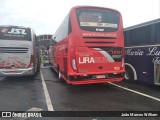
(35, 109)
(154, 98)
(48, 100)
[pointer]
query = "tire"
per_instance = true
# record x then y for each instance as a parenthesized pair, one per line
(38, 65)
(129, 75)
(35, 71)
(59, 75)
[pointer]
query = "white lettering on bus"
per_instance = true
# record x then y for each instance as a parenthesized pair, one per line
(17, 31)
(86, 60)
(156, 60)
(101, 60)
(153, 51)
(137, 53)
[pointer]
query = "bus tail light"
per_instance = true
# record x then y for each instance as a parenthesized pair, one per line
(122, 62)
(74, 64)
(123, 59)
(31, 61)
(73, 59)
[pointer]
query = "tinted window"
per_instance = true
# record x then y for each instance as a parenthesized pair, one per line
(157, 32)
(139, 36)
(62, 31)
(126, 38)
(15, 33)
(98, 20)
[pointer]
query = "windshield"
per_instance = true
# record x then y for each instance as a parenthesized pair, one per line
(15, 33)
(98, 20)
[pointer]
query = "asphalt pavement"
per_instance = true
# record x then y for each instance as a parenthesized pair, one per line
(25, 93)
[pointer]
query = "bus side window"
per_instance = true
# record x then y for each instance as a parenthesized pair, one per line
(157, 33)
(140, 36)
(126, 38)
(69, 26)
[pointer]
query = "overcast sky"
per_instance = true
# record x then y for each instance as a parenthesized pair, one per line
(44, 16)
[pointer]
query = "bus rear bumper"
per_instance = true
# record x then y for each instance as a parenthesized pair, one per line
(94, 81)
(76, 80)
(16, 72)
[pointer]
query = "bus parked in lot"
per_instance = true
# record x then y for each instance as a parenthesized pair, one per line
(18, 51)
(88, 47)
(142, 52)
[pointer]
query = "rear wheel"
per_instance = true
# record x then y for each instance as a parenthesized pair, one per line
(129, 75)
(34, 71)
(36, 67)
(59, 74)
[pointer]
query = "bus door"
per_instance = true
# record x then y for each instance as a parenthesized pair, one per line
(157, 73)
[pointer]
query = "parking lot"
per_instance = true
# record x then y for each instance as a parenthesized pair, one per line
(46, 92)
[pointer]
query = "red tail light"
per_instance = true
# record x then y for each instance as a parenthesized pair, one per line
(31, 61)
(73, 59)
(123, 58)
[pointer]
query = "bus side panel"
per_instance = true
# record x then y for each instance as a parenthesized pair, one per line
(143, 59)
(60, 56)
(65, 66)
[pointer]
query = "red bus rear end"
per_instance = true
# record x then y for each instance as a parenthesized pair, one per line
(89, 46)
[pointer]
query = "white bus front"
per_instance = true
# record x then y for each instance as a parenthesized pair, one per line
(16, 51)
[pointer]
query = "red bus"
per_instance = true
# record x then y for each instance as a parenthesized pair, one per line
(88, 46)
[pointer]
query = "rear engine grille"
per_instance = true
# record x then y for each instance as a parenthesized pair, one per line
(13, 50)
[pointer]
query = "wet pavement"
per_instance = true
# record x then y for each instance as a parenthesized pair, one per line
(24, 93)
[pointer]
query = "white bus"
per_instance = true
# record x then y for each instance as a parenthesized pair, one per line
(18, 51)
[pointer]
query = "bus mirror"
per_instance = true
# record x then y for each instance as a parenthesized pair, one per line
(54, 38)
(53, 42)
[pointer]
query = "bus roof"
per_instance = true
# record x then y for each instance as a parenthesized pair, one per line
(94, 7)
(142, 24)
(14, 26)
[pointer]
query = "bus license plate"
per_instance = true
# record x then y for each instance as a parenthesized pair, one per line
(13, 72)
(100, 76)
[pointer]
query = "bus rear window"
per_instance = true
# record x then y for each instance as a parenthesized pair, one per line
(15, 33)
(98, 20)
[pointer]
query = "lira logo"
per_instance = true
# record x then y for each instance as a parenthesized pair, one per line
(17, 31)
(86, 60)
